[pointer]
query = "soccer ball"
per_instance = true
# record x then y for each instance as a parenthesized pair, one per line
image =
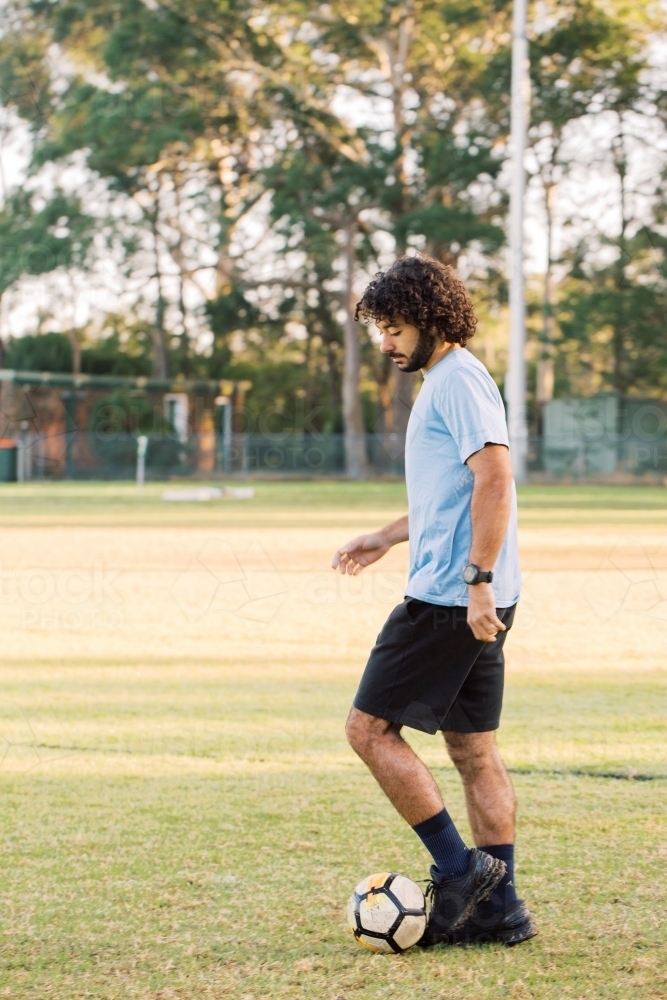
(387, 913)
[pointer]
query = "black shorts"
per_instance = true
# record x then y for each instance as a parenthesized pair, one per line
(427, 671)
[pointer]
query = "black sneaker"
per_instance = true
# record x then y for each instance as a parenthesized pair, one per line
(510, 927)
(453, 900)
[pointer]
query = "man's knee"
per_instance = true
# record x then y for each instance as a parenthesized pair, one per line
(363, 730)
(472, 753)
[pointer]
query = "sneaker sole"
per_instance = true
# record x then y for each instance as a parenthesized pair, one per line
(508, 936)
(518, 935)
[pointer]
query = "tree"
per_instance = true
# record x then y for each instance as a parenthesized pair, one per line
(591, 62)
(51, 239)
(158, 103)
(410, 176)
(259, 163)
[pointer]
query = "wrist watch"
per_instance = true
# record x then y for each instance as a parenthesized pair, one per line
(473, 574)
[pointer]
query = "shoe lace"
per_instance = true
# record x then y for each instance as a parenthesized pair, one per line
(430, 890)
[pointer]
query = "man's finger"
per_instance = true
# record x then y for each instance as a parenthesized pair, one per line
(484, 634)
(486, 627)
(491, 623)
(487, 634)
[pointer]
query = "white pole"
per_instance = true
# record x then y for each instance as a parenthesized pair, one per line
(227, 435)
(515, 391)
(142, 445)
(20, 460)
(226, 403)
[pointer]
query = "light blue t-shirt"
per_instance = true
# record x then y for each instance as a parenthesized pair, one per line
(458, 410)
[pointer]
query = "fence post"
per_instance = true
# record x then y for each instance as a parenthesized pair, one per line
(142, 445)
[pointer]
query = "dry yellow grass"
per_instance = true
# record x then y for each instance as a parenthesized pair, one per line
(595, 596)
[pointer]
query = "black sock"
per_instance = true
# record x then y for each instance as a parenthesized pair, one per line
(504, 894)
(443, 841)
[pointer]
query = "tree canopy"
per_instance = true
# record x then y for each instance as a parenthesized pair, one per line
(237, 171)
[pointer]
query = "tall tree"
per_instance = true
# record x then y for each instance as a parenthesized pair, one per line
(404, 161)
(148, 90)
(586, 61)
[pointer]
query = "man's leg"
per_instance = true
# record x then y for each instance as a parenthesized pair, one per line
(491, 806)
(488, 790)
(405, 780)
(410, 787)
(461, 878)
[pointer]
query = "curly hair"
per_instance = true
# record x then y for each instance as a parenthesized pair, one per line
(426, 293)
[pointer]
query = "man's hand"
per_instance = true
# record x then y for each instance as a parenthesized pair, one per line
(367, 549)
(482, 617)
(360, 552)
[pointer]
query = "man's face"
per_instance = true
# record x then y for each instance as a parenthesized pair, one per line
(405, 345)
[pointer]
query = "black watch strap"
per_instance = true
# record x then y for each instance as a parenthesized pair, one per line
(472, 574)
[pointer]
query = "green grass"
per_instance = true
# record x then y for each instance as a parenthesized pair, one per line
(118, 503)
(223, 871)
(174, 826)
(70, 495)
(322, 501)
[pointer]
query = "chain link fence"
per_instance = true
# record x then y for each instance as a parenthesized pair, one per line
(77, 455)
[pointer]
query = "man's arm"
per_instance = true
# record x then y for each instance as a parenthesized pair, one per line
(490, 511)
(366, 549)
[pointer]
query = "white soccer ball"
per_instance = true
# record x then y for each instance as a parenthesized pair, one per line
(387, 913)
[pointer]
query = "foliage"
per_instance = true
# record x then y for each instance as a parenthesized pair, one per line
(40, 352)
(114, 418)
(37, 241)
(601, 316)
(601, 326)
(122, 347)
(342, 134)
(123, 412)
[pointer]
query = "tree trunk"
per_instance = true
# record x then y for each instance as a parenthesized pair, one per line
(403, 388)
(72, 335)
(396, 391)
(619, 277)
(184, 340)
(545, 363)
(159, 363)
(396, 395)
(160, 359)
(179, 257)
(3, 346)
(355, 437)
(76, 351)
(401, 384)
(330, 335)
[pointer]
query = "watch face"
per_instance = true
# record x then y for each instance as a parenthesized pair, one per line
(470, 574)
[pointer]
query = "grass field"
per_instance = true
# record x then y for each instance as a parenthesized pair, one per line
(181, 816)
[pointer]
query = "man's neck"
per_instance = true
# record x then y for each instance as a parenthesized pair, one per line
(440, 352)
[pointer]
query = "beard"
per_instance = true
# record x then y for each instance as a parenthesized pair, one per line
(424, 348)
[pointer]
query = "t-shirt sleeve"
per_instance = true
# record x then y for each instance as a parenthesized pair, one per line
(473, 411)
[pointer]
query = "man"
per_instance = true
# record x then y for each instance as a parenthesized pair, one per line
(438, 661)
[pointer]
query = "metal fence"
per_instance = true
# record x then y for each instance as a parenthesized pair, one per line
(577, 457)
(77, 455)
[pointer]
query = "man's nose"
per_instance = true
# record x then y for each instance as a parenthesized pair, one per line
(387, 344)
